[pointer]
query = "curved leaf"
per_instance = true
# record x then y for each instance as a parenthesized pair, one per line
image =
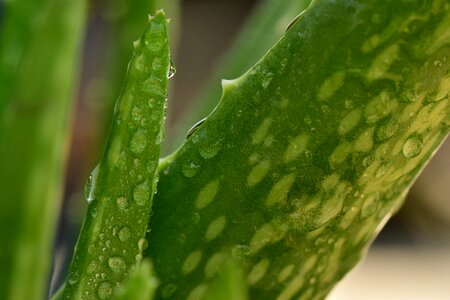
(121, 188)
(309, 152)
(263, 28)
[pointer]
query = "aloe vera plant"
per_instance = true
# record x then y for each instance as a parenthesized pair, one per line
(308, 153)
(280, 191)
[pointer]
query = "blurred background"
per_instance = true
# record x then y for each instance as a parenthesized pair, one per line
(411, 257)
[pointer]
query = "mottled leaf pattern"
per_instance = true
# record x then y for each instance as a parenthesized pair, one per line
(308, 153)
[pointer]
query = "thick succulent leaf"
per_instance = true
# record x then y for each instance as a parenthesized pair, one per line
(141, 284)
(263, 28)
(121, 187)
(229, 282)
(126, 20)
(38, 52)
(309, 152)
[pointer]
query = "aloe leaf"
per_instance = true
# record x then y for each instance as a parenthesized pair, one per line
(229, 282)
(126, 20)
(121, 187)
(140, 285)
(39, 51)
(263, 28)
(309, 152)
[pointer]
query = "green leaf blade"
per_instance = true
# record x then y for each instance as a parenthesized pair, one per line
(121, 188)
(39, 55)
(308, 153)
(141, 284)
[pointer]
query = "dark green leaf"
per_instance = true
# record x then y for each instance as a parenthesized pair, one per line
(309, 152)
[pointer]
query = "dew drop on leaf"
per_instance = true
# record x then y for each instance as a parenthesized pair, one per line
(122, 203)
(172, 69)
(136, 114)
(142, 244)
(89, 188)
(413, 146)
(190, 169)
(117, 264)
(104, 290)
(92, 267)
(141, 194)
(73, 277)
(124, 234)
(386, 130)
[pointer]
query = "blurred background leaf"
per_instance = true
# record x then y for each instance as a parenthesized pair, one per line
(39, 66)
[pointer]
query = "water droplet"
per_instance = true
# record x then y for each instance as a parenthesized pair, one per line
(292, 22)
(190, 169)
(92, 267)
(136, 114)
(437, 63)
(73, 277)
(194, 128)
(386, 130)
(93, 211)
(142, 244)
(172, 69)
(138, 141)
(413, 146)
(141, 194)
(124, 234)
(267, 80)
(210, 150)
(117, 264)
(122, 203)
(89, 188)
(104, 290)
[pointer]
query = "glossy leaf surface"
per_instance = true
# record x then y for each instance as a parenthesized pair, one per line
(309, 152)
(121, 187)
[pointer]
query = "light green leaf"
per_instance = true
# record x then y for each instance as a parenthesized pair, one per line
(141, 284)
(126, 20)
(309, 152)
(38, 67)
(229, 282)
(121, 187)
